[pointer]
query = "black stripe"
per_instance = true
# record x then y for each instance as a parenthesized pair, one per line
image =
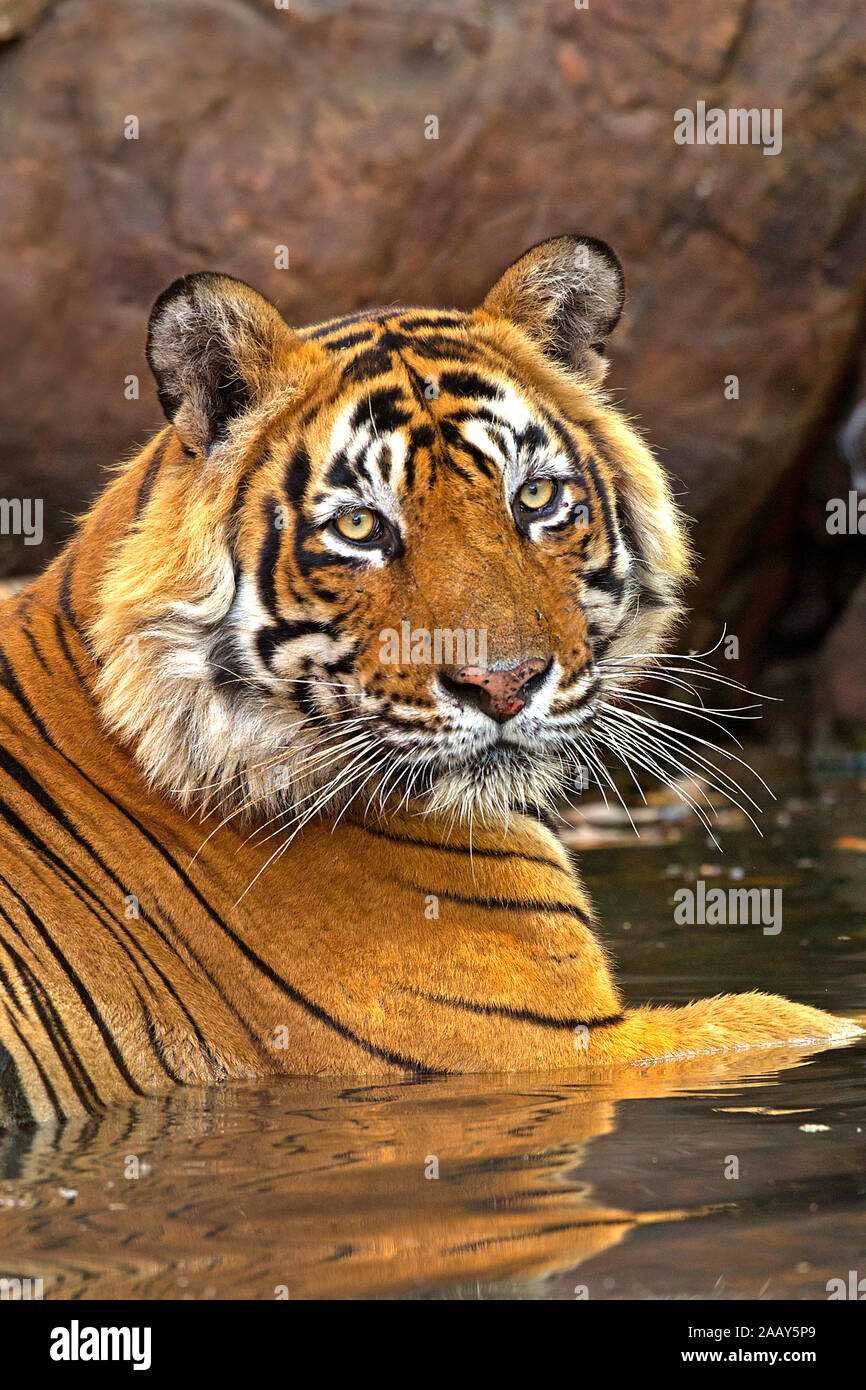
(577, 701)
(453, 435)
(64, 871)
(536, 1233)
(22, 776)
(8, 985)
(24, 1100)
(109, 926)
(269, 554)
(55, 1031)
(349, 340)
(82, 991)
(66, 653)
(604, 578)
(373, 362)
(146, 485)
(435, 347)
(64, 597)
(520, 1015)
(323, 330)
(472, 852)
(10, 680)
(385, 408)
(156, 1041)
(446, 320)
(421, 437)
(269, 638)
(25, 632)
(297, 474)
(404, 723)
(466, 383)
(514, 905)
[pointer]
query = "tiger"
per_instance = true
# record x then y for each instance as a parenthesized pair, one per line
(253, 824)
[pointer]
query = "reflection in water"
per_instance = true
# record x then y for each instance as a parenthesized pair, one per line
(322, 1190)
(544, 1184)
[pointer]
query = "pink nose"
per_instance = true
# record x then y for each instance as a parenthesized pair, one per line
(500, 694)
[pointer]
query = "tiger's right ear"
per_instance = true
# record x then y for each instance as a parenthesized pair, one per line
(214, 346)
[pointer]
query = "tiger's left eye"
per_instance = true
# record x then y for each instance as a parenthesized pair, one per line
(537, 494)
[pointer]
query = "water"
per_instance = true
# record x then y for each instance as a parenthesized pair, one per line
(546, 1188)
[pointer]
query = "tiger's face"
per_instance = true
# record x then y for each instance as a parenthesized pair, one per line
(418, 545)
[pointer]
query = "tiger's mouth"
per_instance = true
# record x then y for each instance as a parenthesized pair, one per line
(449, 755)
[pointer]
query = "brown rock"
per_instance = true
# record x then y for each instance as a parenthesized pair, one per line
(17, 16)
(305, 127)
(842, 668)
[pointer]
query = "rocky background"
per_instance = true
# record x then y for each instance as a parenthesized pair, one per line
(306, 127)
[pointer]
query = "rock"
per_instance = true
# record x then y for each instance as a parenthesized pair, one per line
(261, 127)
(842, 668)
(17, 16)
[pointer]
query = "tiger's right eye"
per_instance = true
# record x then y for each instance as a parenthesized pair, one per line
(359, 525)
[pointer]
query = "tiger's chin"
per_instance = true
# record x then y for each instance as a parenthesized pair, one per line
(482, 789)
(489, 787)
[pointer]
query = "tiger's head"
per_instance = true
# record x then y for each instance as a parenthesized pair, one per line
(398, 554)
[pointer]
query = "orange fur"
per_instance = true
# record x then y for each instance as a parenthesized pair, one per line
(393, 935)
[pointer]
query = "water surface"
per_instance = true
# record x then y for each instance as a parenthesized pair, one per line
(731, 1178)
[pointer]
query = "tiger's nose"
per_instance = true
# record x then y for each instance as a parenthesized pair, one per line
(499, 693)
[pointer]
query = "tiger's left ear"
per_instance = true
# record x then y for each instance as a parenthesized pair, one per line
(567, 295)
